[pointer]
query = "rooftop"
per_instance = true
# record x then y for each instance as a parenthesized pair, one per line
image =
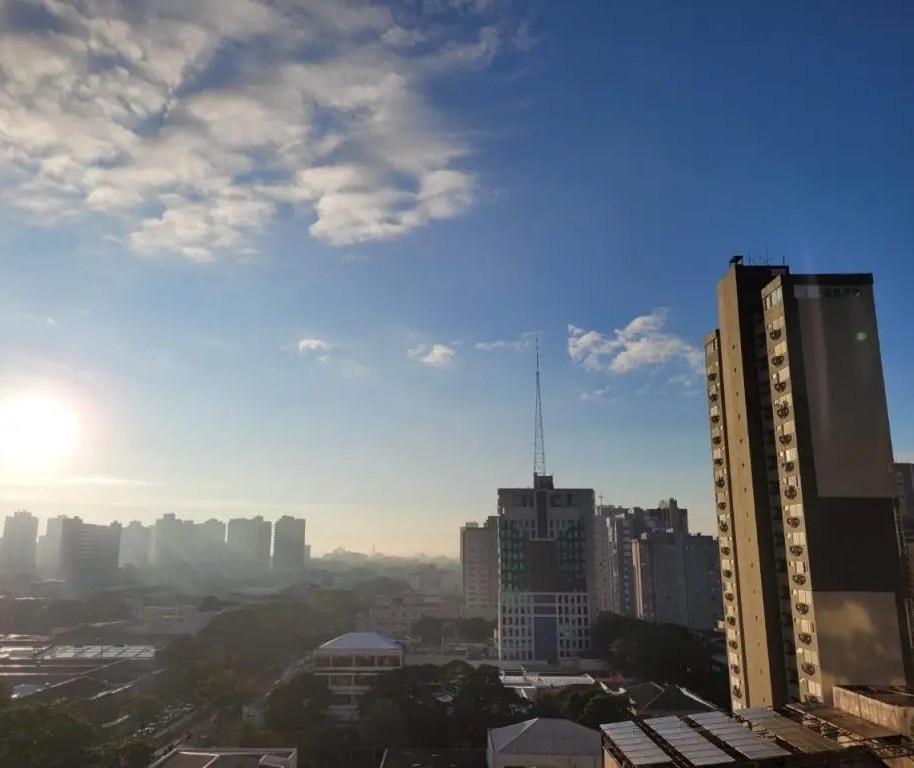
(434, 758)
(281, 757)
(98, 652)
(360, 641)
(545, 736)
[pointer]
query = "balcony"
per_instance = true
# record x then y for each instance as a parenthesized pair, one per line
(731, 620)
(717, 439)
(796, 549)
(793, 522)
(780, 386)
(802, 608)
(734, 668)
(712, 377)
(774, 334)
(737, 693)
(733, 644)
(783, 411)
(777, 359)
(723, 527)
(790, 492)
(715, 418)
(805, 637)
(787, 466)
(718, 462)
(721, 504)
(713, 397)
(808, 669)
(799, 578)
(730, 597)
(785, 439)
(725, 550)
(727, 574)
(720, 482)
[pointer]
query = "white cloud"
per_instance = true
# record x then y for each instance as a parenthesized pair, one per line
(643, 342)
(196, 123)
(521, 342)
(313, 345)
(594, 394)
(436, 355)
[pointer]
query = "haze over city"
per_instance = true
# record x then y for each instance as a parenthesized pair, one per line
(292, 259)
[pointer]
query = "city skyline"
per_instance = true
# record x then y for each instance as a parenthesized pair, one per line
(321, 301)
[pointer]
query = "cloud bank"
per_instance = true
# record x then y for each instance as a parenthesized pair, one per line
(197, 123)
(644, 342)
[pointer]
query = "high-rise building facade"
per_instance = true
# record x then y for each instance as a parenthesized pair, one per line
(136, 543)
(479, 569)
(289, 548)
(622, 527)
(89, 553)
(677, 579)
(545, 571)
(248, 543)
(17, 548)
(814, 582)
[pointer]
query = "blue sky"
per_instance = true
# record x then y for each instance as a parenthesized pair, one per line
(288, 257)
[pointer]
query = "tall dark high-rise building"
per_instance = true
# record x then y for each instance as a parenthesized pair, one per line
(17, 547)
(814, 580)
(546, 575)
(89, 553)
(289, 548)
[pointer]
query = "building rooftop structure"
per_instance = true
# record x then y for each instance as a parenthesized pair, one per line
(360, 641)
(544, 736)
(283, 757)
(650, 698)
(749, 737)
(433, 758)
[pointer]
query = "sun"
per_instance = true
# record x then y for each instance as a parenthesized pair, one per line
(36, 431)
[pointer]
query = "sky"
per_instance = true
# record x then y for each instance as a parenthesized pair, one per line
(290, 256)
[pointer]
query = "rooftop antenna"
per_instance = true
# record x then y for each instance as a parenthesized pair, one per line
(539, 443)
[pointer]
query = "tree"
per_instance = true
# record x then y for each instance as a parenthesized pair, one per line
(430, 631)
(604, 708)
(226, 690)
(44, 735)
(475, 630)
(145, 708)
(299, 705)
(383, 725)
(133, 753)
(479, 703)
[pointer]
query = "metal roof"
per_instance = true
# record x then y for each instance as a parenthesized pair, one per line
(786, 729)
(637, 747)
(99, 652)
(688, 742)
(360, 641)
(738, 736)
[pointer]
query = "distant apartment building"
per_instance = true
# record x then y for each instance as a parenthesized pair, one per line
(209, 543)
(248, 542)
(396, 616)
(289, 548)
(677, 579)
(48, 550)
(619, 527)
(479, 569)
(349, 664)
(812, 555)
(89, 553)
(172, 551)
(17, 547)
(546, 573)
(136, 543)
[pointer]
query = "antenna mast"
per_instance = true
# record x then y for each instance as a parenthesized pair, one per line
(539, 443)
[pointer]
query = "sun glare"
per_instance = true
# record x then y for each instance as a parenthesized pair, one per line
(36, 431)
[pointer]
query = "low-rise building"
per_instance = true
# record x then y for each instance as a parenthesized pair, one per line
(396, 616)
(544, 742)
(229, 757)
(350, 663)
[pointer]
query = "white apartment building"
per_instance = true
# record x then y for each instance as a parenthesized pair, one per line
(349, 663)
(479, 569)
(547, 574)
